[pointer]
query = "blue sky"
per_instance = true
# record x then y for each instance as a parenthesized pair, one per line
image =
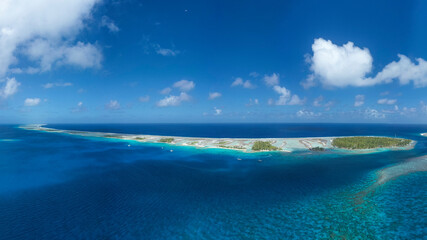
(90, 61)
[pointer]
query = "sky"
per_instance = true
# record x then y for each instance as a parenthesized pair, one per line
(128, 61)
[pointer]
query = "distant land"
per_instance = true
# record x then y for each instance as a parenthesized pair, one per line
(318, 144)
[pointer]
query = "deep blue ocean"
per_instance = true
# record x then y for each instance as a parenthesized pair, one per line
(59, 186)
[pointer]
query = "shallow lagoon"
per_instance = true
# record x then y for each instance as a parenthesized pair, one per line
(57, 186)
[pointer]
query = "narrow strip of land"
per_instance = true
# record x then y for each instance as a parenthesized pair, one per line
(356, 144)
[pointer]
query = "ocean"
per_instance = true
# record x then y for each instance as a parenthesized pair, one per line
(59, 186)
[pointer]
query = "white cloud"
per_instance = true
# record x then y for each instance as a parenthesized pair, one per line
(318, 101)
(348, 65)
(113, 105)
(307, 114)
(144, 98)
(295, 100)
(271, 80)
(184, 85)
(254, 74)
(167, 52)
(359, 100)
(217, 111)
(79, 108)
(29, 102)
(166, 91)
(387, 101)
(107, 22)
(56, 23)
(286, 98)
(174, 100)
(408, 110)
(214, 95)
(252, 102)
(57, 84)
(406, 71)
(164, 51)
(47, 54)
(82, 55)
(339, 66)
(9, 88)
(373, 114)
(285, 95)
(239, 82)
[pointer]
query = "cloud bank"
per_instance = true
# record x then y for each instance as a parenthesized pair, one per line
(349, 65)
(44, 31)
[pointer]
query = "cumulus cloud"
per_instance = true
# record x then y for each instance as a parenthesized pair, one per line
(217, 111)
(253, 102)
(295, 100)
(29, 102)
(113, 105)
(184, 85)
(386, 101)
(408, 110)
(144, 98)
(239, 82)
(174, 100)
(46, 53)
(286, 98)
(254, 74)
(359, 100)
(166, 91)
(307, 114)
(373, 114)
(108, 23)
(9, 88)
(79, 108)
(318, 101)
(45, 30)
(214, 95)
(339, 66)
(271, 80)
(348, 65)
(405, 71)
(57, 84)
(167, 52)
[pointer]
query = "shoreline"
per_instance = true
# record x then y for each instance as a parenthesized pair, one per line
(285, 145)
(424, 134)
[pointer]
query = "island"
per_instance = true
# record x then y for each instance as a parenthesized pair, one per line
(358, 144)
(424, 134)
(369, 142)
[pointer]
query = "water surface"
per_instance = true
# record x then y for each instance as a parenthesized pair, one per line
(58, 186)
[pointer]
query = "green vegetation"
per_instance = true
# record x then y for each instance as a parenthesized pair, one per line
(110, 136)
(222, 142)
(139, 138)
(317, 149)
(262, 145)
(369, 142)
(166, 140)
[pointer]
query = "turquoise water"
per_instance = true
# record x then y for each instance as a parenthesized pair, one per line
(57, 186)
